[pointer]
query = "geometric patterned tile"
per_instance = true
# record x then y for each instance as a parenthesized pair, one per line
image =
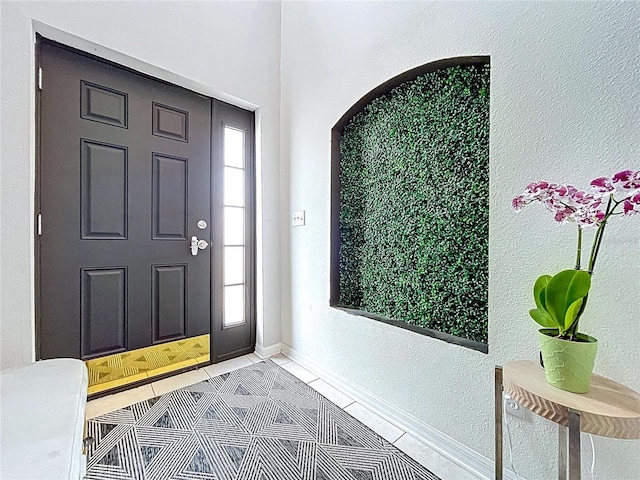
(256, 423)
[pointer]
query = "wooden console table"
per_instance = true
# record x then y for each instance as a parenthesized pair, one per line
(609, 410)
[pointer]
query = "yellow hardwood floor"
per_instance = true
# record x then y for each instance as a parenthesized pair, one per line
(127, 367)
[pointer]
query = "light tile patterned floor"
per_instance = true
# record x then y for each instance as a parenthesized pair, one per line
(127, 367)
(412, 446)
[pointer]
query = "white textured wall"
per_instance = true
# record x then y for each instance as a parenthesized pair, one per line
(565, 106)
(218, 48)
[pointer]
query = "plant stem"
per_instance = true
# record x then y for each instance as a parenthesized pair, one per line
(574, 328)
(579, 250)
(595, 249)
(597, 241)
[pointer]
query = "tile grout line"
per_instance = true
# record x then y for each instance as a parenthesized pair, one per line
(335, 388)
(251, 359)
(279, 364)
(398, 439)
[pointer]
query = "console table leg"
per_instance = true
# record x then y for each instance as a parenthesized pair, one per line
(574, 445)
(562, 452)
(498, 422)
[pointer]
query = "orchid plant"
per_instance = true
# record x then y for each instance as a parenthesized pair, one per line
(561, 299)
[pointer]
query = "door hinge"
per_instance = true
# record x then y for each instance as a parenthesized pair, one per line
(39, 227)
(39, 78)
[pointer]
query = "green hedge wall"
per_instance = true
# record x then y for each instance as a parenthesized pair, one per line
(414, 203)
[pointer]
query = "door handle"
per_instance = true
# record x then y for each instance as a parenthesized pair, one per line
(197, 245)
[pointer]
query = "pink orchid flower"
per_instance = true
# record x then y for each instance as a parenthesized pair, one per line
(624, 187)
(566, 202)
(632, 204)
(619, 194)
(569, 204)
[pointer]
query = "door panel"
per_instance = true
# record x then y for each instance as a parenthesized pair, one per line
(169, 305)
(103, 104)
(125, 175)
(169, 197)
(103, 306)
(104, 192)
(170, 122)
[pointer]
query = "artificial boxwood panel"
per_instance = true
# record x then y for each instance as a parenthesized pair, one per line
(414, 206)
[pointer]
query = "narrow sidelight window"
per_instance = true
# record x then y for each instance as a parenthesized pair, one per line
(234, 228)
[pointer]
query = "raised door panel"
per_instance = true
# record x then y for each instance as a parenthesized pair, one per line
(170, 122)
(103, 311)
(103, 104)
(104, 191)
(170, 186)
(169, 285)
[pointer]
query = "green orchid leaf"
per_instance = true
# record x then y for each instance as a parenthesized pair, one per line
(579, 287)
(539, 291)
(543, 318)
(572, 313)
(563, 290)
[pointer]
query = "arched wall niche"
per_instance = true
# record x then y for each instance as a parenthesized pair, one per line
(410, 203)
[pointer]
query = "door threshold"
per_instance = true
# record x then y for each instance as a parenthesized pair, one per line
(146, 381)
(126, 370)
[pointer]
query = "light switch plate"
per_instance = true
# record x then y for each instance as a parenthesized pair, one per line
(298, 219)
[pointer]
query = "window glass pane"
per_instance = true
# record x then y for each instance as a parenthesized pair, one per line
(233, 226)
(233, 186)
(233, 265)
(233, 305)
(233, 147)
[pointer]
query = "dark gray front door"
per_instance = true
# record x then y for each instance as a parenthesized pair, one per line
(125, 177)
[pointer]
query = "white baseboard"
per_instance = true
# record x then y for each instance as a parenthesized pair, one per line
(266, 352)
(446, 446)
